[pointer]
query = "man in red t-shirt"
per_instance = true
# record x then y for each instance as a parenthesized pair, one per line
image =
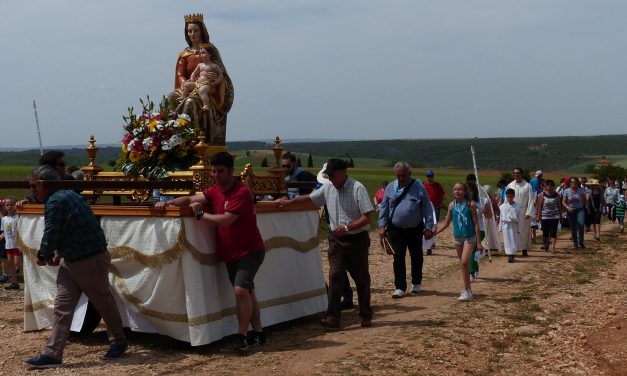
(238, 241)
(436, 193)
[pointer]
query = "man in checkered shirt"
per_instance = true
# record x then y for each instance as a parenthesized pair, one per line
(349, 207)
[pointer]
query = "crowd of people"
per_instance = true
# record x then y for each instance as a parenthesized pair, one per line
(407, 215)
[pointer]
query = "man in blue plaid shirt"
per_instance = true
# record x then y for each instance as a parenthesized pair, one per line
(74, 241)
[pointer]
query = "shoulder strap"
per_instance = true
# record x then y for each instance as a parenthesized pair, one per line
(400, 197)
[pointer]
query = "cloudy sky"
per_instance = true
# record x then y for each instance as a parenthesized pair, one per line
(351, 69)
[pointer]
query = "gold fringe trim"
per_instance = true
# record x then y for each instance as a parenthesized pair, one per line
(27, 251)
(174, 253)
(42, 304)
(210, 317)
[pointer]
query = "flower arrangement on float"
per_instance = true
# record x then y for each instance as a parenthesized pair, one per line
(156, 141)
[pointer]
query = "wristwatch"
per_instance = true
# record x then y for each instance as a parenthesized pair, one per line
(199, 213)
(346, 228)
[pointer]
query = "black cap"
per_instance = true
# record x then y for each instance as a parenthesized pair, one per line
(335, 164)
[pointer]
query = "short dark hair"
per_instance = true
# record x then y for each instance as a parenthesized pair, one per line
(51, 157)
(510, 191)
(549, 182)
(222, 159)
(289, 156)
(519, 169)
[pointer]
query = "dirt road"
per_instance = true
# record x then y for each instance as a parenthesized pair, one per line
(547, 314)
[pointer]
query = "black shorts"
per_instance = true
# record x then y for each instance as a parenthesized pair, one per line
(242, 272)
(3, 252)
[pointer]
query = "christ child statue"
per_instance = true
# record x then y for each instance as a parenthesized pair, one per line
(204, 78)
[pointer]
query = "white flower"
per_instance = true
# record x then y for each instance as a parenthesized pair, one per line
(165, 145)
(171, 124)
(185, 117)
(176, 140)
(147, 142)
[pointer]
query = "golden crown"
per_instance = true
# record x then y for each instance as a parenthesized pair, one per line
(194, 17)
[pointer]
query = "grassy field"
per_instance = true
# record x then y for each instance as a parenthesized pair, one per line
(14, 173)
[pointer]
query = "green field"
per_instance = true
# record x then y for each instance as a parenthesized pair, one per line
(13, 173)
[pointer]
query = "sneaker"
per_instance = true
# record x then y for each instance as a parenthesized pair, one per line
(240, 343)
(510, 258)
(415, 289)
(398, 293)
(115, 351)
(429, 252)
(255, 338)
(524, 253)
(4, 278)
(346, 304)
(12, 286)
(581, 246)
(43, 361)
(465, 296)
(366, 323)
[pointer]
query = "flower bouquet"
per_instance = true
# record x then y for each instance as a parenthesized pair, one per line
(156, 141)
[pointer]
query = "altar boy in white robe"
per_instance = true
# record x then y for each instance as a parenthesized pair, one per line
(511, 217)
(526, 198)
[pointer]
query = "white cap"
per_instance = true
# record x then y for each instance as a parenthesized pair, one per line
(322, 177)
(538, 173)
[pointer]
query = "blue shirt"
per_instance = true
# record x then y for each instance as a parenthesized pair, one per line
(414, 209)
(535, 184)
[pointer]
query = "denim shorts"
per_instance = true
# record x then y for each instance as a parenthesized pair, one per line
(460, 240)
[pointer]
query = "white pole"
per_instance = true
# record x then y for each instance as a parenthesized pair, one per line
(41, 148)
(474, 165)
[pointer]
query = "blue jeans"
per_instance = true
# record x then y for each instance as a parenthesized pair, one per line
(577, 220)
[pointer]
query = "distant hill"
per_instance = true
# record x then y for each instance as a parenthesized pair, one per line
(549, 153)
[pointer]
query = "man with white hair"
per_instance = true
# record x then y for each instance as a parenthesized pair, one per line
(525, 196)
(406, 215)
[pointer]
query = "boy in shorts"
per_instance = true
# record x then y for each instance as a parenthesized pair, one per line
(238, 241)
(8, 226)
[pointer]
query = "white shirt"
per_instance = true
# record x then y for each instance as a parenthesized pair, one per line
(344, 205)
(9, 226)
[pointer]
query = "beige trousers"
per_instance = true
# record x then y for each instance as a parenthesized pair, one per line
(89, 276)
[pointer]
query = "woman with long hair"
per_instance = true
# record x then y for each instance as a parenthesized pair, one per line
(463, 213)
